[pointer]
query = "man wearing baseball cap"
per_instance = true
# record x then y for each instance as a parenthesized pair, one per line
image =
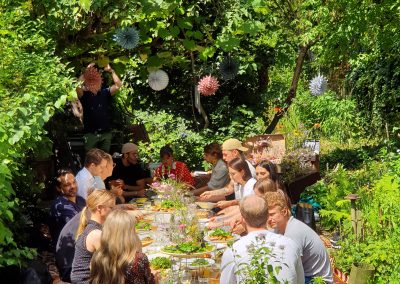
(231, 149)
(131, 172)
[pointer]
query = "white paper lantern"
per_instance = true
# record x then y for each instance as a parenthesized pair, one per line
(318, 85)
(158, 80)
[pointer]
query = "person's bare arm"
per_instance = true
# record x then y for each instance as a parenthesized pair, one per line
(117, 81)
(93, 240)
(199, 191)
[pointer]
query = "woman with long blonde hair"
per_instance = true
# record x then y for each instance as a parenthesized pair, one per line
(119, 259)
(99, 204)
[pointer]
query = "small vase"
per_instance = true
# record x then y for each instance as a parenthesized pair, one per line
(361, 273)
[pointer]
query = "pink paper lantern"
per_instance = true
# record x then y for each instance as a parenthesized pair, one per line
(208, 85)
(92, 79)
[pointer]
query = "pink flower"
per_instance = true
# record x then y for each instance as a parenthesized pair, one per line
(155, 184)
(182, 226)
(172, 176)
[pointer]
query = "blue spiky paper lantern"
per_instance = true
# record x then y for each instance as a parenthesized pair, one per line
(127, 37)
(318, 85)
(228, 68)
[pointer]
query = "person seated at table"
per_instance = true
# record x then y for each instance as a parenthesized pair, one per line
(129, 170)
(231, 149)
(119, 258)
(99, 204)
(219, 175)
(241, 176)
(268, 185)
(315, 258)
(116, 188)
(67, 205)
(95, 162)
(65, 248)
(232, 217)
(170, 168)
(266, 169)
(284, 252)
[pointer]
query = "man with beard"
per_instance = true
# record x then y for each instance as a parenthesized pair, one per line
(67, 205)
(129, 170)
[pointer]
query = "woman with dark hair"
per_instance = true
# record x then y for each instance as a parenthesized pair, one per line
(266, 169)
(170, 168)
(219, 175)
(240, 173)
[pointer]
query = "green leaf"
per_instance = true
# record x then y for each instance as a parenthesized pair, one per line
(164, 33)
(180, 11)
(165, 54)
(175, 31)
(85, 4)
(198, 35)
(207, 53)
(189, 44)
(228, 42)
(185, 24)
(155, 61)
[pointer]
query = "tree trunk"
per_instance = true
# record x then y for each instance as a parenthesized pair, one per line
(293, 87)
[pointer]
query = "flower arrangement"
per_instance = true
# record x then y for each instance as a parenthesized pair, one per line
(296, 163)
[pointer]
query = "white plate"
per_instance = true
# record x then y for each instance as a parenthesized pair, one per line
(206, 205)
(191, 260)
(235, 238)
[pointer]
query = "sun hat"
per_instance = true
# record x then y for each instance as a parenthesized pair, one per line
(233, 144)
(129, 147)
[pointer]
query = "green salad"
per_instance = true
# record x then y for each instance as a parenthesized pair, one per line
(141, 225)
(168, 204)
(188, 248)
(199, 262)
(220, 233)
(161, 262)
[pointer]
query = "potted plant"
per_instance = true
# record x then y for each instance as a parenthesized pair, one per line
(361, 273)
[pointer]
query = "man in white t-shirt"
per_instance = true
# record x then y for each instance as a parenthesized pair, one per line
(284, 255)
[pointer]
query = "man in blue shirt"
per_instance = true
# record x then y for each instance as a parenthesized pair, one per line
(67, 205)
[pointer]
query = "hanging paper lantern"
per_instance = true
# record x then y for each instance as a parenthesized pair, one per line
(92, 79)
(158, 80)
(127, 37)
(228, 68)
(318, 85)
(208, 85)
